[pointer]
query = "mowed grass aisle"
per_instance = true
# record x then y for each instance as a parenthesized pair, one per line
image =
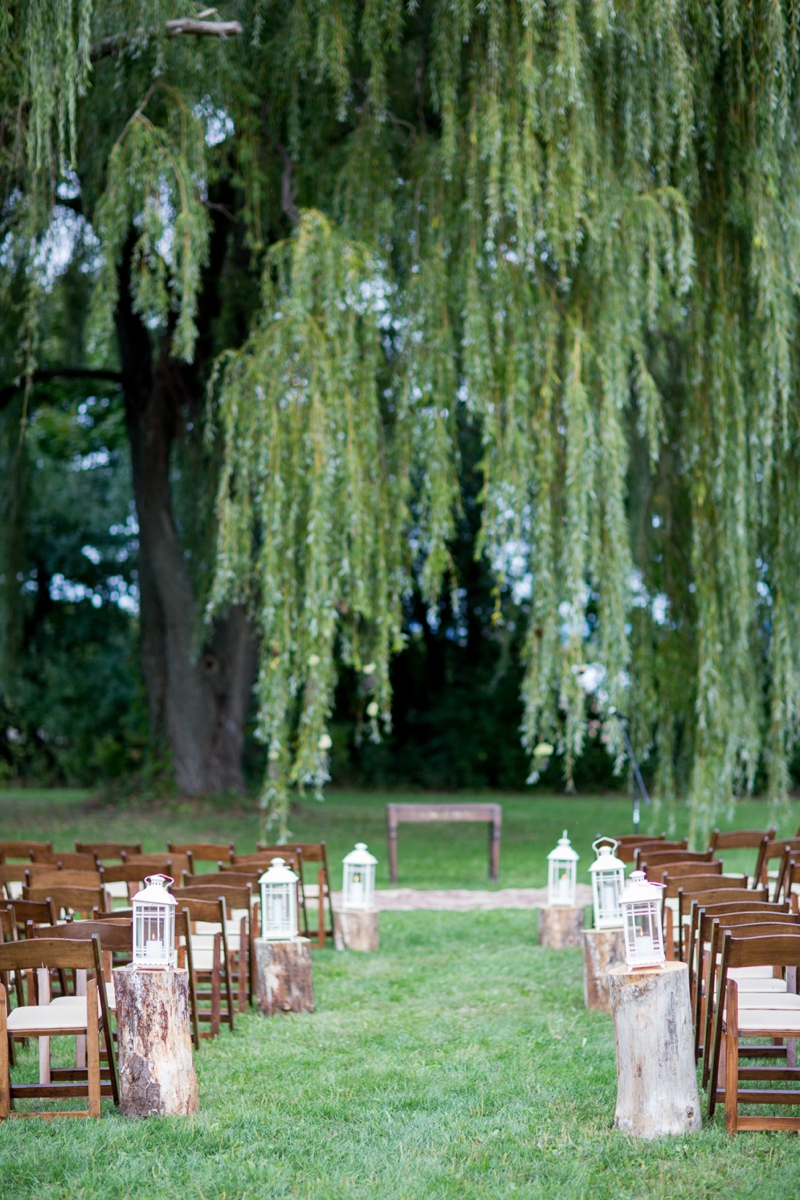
(459, 1062)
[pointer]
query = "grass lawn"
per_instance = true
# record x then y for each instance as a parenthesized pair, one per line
(459, 1062)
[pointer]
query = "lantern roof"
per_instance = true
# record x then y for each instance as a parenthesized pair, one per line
(606, 859)
(278, 872)
(155, 890)
(360, 857)
(564, 851)
(639, 889)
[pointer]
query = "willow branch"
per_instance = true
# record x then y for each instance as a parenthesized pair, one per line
(176, 28)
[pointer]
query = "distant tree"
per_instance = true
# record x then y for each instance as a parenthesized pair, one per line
(570, 224)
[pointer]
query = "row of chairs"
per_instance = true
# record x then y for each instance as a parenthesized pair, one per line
(29, 868)
(740, 937)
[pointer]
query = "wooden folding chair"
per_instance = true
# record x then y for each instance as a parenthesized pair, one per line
(658, 857)
(67, 860)
(212, 852)
(757, 981)
(108, 850)
(689, 893)
(12, 879)
(626, 850)
(776, 1017)
(212, 964)
(740, 839)
(726, 916)
(8, 933)
(768, 853)
(238, 906)
(690, 885)
(315, 852)
(82, 1017)
(123, 880)
(720, 902)
(21, 850)
(40, 912)
(160, 864)
(52, 877)
(71, 900)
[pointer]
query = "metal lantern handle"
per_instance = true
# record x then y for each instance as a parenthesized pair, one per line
(164, 881)
(605, 841)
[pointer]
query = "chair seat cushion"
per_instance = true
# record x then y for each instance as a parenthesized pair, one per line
(769, 1022)
(111, 999)
(773, 1000)
(47, 1018)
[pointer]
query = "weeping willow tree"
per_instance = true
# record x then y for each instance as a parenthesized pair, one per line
(572, 225)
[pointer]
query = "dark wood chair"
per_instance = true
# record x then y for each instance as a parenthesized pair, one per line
(8, 933)
(739, 839)
(43, 1020)
(755, 901)
(40, 912)
(238, 899)
(733, 1021)
(768, 852)
(52, 877)
(656, 856)
(212, 965)
(67, 860)
(727, 915)
(131, 875)
(70, 900)
(160, 864)
(683, 888)
(316, 852)
(15, 850)
(626, 849)
(108, 850)
(211, 852)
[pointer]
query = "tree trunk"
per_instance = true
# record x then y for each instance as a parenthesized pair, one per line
(156, 1070)
(602, 949)
(560, 927)
(283, 976)
(198, 694)
(356, 929)
(656, 1075)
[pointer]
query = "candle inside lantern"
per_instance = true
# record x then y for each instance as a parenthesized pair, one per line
(357, 888)
(154, 948)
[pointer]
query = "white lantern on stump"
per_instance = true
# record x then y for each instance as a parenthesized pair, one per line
(641, 912)
(608, 881)
(562, 874)
(358, 893)
(278, 902)
(154, 924)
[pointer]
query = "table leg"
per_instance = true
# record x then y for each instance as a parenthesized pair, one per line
(392, 852)
(494, 863)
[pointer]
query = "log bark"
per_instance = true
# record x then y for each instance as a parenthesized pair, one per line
(657, 1090)
(602, 949)
(355, 929)
(283, 976)
(156, 1070)
(560, 927)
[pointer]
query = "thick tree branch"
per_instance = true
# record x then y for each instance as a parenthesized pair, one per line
(288, 187)
(176, 28)
(45, 374)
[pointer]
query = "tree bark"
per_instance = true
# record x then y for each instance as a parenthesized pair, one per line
(283, 976)
(560, 927)
(156, 1070)
(656, 1076)
(198, 695)
(602, 950)
(356, 929)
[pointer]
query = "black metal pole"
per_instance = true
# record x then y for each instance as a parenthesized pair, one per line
(638, 782)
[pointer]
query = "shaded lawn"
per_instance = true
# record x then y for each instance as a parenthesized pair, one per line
(445, 856)
(459, 1062)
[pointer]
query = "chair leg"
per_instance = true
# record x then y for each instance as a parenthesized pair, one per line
(226, 966)
(669, 935)
(732, 1060)
(215, 988)
(93, 1049)
(5, 1069)
(44, 1042)
(321, 908)
(241, 982)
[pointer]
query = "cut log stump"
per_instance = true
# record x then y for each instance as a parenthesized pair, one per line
(560, 927)
(156, 1069)
(656, 1076)
(283, 976)
(602, 949)
(356, 930)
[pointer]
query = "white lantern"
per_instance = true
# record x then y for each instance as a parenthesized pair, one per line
(562, 874)
(641, 912)
(154, 924)
(608, 880)
(278, 902)
(359, 879)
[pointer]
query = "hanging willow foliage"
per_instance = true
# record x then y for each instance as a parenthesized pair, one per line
(576, 225)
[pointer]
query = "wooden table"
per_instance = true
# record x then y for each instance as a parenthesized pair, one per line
(423, 814)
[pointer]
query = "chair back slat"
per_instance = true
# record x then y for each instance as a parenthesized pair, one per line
(626, 850)
(211, 852)
(53, 953)
(41, 912)
(65, 878)
(106, 850)
(67, 859)
(233, 895)
(70, 899)
(9, 850)
(655, 857)
(114, 935)
(160, 864)
(770, 850)
(739, 839)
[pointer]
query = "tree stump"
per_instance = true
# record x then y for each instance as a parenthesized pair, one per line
(283, 976)
(560, 927)
(156, 1069)
(356, 929)
(602, 949)
(656, 1076)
